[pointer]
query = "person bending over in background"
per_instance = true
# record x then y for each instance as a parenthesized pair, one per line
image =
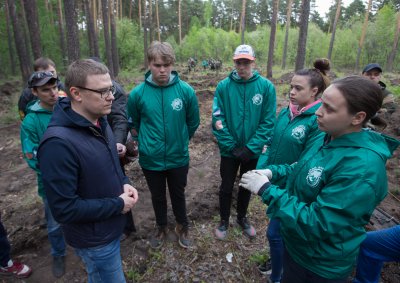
(329, 194)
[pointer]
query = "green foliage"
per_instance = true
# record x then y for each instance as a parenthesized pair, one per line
(345, 48)
(130, 44)
(259, 257)
(378, 33)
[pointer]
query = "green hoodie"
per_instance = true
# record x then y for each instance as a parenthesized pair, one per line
(32, 129)
(292, 137)
(329, 198)
(243, 113)
(165, 118)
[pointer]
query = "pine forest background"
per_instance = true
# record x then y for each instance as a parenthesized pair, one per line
(285, 34)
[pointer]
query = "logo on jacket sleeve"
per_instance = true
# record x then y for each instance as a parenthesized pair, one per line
(257, 99)
(177, 104)
(314, 176)
(299, 132)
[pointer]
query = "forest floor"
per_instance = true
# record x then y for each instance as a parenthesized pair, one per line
(208, 261)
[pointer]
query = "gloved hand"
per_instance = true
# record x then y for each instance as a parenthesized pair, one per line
(265, 172)
(253, 182)
(242, 153)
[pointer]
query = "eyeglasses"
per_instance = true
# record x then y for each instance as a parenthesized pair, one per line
(104, 93)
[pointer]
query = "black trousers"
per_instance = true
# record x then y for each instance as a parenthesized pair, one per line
(4, 246)
(294, 272)
(228, 170)
(176, 179)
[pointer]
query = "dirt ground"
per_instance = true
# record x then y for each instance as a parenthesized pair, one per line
(23, 216)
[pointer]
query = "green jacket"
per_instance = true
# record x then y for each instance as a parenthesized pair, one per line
(329, 198)
(32, 129)
(292, 137)
(165, 118)
(243, 113)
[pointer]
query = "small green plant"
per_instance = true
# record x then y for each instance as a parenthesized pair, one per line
(259, 257)
(133, 275)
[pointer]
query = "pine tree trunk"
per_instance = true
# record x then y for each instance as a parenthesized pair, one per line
(180, 21)
(151, 20)
(272, 38)
(140, 13)
(24, 59)
(31, 15)
(145, 46)
(302, 42)
(392, 54)
(242, 27)
(285, 44)
(114, 43)
(61, 32)
(106, 29)
(339, 4)
(158, 22)
(73, 49)
(363, 32)
(9, 41)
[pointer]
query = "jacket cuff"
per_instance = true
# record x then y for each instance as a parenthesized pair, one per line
(264, 188)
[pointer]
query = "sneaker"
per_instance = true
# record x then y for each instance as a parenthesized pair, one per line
(182, 232)
(17, 269)
(222, 230)
(265, 268)
(58, 267)
(248, 229)
(158, 239)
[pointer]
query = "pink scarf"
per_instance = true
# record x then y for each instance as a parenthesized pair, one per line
(294, 109)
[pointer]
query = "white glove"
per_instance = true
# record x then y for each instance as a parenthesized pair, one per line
(253, 181)
(265, 172)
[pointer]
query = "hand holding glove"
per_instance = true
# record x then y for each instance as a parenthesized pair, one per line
(253, 181)
(242, 153)
(265, 172)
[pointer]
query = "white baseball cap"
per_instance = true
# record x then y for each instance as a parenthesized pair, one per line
(244, 52)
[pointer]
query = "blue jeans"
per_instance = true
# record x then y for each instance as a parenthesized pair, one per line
(379, 247)
(276, 249)
(54, 232)
(103, 263)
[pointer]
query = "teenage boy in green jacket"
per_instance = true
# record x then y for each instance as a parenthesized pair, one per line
(165, 114)
(44, 86)
(243, 119)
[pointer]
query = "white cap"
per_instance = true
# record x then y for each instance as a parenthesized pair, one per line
(244, 52)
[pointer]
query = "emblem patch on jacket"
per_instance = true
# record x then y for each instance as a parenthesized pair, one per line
(314, 176)
(177, 104)
(257, 99)
(299, 132)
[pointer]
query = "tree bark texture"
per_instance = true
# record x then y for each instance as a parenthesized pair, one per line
(23, 56)
(106, 29)
(73, 49)
(285, 44)
(302, 43)
(339, 4)
(31, 15)
(114, 47)
(271, 48)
